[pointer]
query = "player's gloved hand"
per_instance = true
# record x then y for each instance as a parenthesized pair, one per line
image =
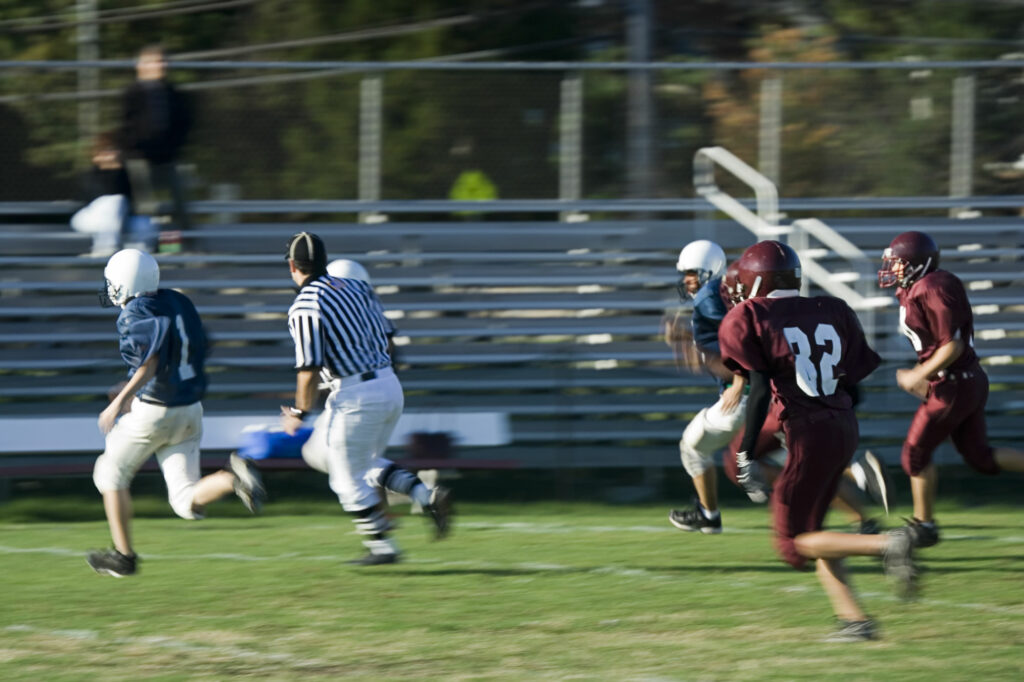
(748, 477)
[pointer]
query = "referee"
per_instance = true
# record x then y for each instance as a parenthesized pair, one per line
(342, 338)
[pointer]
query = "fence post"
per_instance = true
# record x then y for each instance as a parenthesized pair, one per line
(370, 133)
(640, 112)
(961, 153)
(769, 153)
(87, 38)
(570, 147)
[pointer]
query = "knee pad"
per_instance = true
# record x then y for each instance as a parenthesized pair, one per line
(314, 453)
(107, 477)
(701, 439)
(694, 462)
(181, 503)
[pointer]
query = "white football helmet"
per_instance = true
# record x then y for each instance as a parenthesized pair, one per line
(348, 268)
(705, 258)
(129, 273)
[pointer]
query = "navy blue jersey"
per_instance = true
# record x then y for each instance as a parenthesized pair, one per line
(708, 312)
(167, 325)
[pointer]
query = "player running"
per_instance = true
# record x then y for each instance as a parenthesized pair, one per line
(713, 293)
(936, 316)
(809, 354)
(158, 411)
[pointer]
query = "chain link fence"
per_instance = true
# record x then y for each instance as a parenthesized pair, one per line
(537, 131)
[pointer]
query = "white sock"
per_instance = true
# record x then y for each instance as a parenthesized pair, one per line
(420, 494)
(709, 515)
(382, 546)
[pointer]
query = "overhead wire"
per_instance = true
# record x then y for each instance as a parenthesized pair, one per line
(206, 6)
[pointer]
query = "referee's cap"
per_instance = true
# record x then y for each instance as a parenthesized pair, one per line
(306, 248)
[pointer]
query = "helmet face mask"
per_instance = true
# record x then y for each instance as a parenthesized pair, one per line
(908, 258)
(129, 273)
(700, 261)
(731, 289)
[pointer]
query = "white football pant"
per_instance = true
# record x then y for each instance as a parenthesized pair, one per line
(350, 436)
(709, 431)
(172, 434)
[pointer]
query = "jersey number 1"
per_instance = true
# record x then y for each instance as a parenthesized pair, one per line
(185, 370)
(807, 374)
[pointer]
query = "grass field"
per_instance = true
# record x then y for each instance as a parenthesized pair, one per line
(538, 591)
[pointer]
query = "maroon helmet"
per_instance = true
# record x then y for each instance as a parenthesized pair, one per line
(729, 288)
(916, 252)
(767, 266)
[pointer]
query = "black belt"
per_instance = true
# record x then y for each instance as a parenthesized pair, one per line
(366, 376)
(943, 375)
(152, 402)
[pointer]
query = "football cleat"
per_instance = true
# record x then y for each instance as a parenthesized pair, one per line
(371, 559)
(113, 563)
(248, 483)
(869, 527)
(854, 631)
(693, 520)
(898, 562)
(923, 534)
(439, 509)
(872, 478)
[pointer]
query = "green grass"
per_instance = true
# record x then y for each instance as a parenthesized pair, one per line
(538, 591)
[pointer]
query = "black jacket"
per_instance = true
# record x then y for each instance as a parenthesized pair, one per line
(156, 121)
(97, 182)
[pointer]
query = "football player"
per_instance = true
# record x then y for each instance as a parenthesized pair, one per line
(714, 427)
(158, 410)
(936, 317)
(702, 264)
(807, 354)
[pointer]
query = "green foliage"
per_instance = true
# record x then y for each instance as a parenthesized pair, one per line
(846, 133)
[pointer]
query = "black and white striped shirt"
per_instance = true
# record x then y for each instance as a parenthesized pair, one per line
(338, 324)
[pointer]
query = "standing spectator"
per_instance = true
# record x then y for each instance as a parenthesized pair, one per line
(936, 316)
(341, 335)
(809, 353)
(155, 125)
(107, 197)
(163, 343)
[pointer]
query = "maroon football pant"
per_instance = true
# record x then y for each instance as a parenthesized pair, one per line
(955, 409)
(821, 445)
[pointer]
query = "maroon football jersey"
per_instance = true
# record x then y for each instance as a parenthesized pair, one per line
(810, 347)
(935, 311)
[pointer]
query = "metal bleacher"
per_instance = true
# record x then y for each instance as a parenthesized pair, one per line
(554, 324)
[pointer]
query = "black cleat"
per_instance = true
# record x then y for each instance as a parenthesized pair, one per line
(248, 483)
(869, 527)
(923, 534)
(854, 631)
(371, 559)
(898, 562)
(872, 477)
(693, 520)
(111, 562)
(439, 509)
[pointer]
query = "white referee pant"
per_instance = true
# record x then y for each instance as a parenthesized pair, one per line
(350, 436)
(172, 434)
(708, 432)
